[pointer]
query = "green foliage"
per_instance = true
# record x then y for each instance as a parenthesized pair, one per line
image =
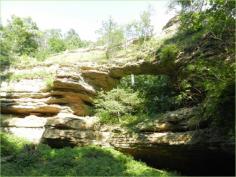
(80, 161)
(141, 29)
(185, 41)
(41, 54)
(147, 50)
(157, 91)
(11, 145)
(168, 53)
(212, 79)
(112, 36)
(22, 35)
(72, 40)
(55, 41)
(49, 81)
(130, 121)
(5, 55)
(117, 102)
(146, 27)
(216, 17)
(47, 75)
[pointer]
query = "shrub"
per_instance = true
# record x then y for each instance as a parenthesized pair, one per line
(118, 102)
(42, 54)
(214, 79)
(168, 53)
(5, 54)
(11, 145)
(49, 82)
(56, 45)
(157, 91)
(147, 49)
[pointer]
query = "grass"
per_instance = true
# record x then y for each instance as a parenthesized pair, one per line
(81, 161)
(11, 145)
(132, 52)
(30, 75)
(46, 74)
(95, 56)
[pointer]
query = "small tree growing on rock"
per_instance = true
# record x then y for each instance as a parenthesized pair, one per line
(111, 35)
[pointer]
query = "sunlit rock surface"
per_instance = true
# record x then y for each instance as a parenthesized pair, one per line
(30, 127)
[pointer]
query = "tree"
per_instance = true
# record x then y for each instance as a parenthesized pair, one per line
(4, 51)
(141, 29)
(73, 40)
(132, 30)
(111, 35)
(216, 17)
(146, 28)
(55, 41)
(22, 34)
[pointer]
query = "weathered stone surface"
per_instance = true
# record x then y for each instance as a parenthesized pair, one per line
(15, 94)
(24, 85)
(184, 119)
(31, 121)
(99, 79)
(70, 96)
(171, 27)
(64, 137)
(78, 103)
(175, 138)
(141, 67)
(151, 139)
(31, 134)
(72, 85)
(164, 146)
(72, 122)
(15, 108)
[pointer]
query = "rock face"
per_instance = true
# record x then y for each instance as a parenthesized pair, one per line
(73, 88)
(60, 116)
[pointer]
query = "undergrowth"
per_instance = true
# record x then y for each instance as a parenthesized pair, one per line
(41, 160)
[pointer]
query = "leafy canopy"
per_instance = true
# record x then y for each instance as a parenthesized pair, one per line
(21, 34)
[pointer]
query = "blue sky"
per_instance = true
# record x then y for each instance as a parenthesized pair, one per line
(84, 16)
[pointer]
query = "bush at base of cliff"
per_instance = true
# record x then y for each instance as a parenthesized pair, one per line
(11, 145)
(157, 91)
(168, 53)
(118, 102)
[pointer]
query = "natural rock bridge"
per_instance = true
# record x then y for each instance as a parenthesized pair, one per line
(74, 86)
(61, 117)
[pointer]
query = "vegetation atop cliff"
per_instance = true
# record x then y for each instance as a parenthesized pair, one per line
(199, 59)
